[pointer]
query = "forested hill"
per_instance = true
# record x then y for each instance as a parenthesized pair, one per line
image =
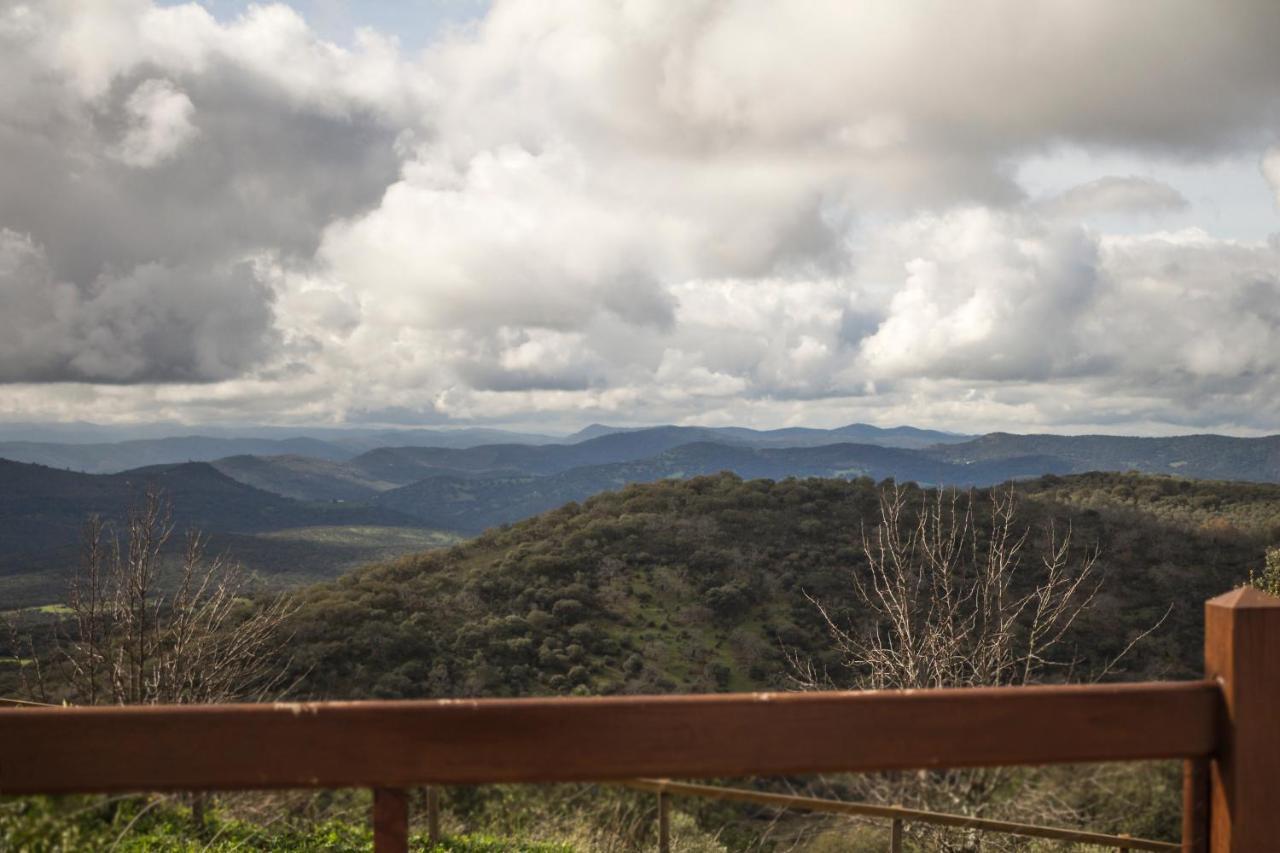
(701, 584)
(1212, 457)
(43, 510)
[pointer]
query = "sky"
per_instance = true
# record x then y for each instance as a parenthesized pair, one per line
(1023, 215)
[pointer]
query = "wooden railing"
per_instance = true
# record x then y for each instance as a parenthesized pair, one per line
(897, 816)
(1225, 727)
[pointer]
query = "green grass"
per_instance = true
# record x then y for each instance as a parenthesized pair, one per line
(155, 825)
(40, 614)
(397, 539)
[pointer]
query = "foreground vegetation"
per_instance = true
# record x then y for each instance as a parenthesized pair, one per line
(152, 825)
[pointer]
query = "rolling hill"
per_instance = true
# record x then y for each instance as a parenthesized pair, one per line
(42, 511)
(703, 584)
(78, 452)
(472, 503)
(303, 478)
(469, 489)
(465, 490)
(1211, 457)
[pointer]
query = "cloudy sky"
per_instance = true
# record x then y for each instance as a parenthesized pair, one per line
(1029, 215)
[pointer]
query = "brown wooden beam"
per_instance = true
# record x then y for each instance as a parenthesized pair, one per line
(390, 820)
(413, 743)
(664, 823)
(1195, 805)
(433, 815)
(1242, 652)
(897, 814)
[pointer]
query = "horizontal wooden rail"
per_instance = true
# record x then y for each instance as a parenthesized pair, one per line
(410, 743)
(814, 804)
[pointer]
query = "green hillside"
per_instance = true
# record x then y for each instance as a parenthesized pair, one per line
(701, 584)
(1253, 508)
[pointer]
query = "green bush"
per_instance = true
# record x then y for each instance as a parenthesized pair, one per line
(157, 825)
(1269, 580)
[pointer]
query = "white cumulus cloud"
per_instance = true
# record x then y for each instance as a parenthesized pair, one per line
(787, 212)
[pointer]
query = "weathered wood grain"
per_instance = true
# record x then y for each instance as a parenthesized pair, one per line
(413, 743)
(897, 814)
(390, 820)
(1242, 653)
(1195, 805)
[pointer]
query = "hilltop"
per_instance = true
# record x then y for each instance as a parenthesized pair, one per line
(701, 584)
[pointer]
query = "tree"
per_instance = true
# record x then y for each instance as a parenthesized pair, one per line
(143, 634)
(946, 600)
(950, 605)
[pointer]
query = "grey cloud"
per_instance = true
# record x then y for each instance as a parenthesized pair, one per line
(482, 377)
(258, 175)
(160, 124)
(426, 415)
(1271, 170)
(1116, 195)
(510, 359)
(157, 186)
(155, 323)
(704, 210)
(915, 102)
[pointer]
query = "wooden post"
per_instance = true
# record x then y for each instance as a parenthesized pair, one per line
(895, 836)
(1241, 651)
(198, 800)
(664, 822)
(1195, 805)
(390, 820)
(433, 815)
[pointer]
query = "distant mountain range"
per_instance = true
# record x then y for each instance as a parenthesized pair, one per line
(472, 502)
(114, 457)
(353, 437)
(247, 488)
(1202, 457)
(901, 436)
(29, 444)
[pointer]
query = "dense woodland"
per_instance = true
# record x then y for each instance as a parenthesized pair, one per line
(703, 585)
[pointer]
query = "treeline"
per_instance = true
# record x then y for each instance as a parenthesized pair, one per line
(1222, 508)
